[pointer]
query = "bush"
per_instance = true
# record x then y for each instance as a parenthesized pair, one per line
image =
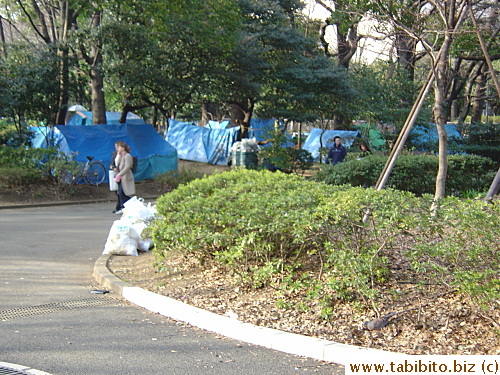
(285, 159)
(282, 230)
(478, 139)
(48, 163)
(17, 177)
(413, 173)
(174, 179)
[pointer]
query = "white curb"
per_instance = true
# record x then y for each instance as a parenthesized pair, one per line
(290, 343)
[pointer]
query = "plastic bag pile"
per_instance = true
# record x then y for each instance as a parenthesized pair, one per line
(246, 145)
(127, 235)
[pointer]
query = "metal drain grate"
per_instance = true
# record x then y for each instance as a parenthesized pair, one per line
(54, 307)
(10, 371)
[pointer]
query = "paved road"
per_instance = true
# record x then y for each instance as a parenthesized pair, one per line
(50, 321)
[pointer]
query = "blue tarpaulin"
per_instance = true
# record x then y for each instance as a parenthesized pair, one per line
(156, 156)
(427, 139)
(261, 130)
(201, 144)
(112, 118)
(318, 138)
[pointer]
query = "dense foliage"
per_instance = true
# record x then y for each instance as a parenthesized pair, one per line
(413, 173)
(306, 237)
(24, 166)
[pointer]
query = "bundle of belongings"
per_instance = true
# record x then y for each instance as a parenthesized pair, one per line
(128, 235)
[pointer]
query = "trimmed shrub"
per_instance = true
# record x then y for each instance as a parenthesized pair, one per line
(413, 173)
(283, 230)
(17, 177)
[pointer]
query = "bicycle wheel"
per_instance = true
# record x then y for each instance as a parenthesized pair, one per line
(95, 173)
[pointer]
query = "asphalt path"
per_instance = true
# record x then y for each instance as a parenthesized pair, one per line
(50, 320)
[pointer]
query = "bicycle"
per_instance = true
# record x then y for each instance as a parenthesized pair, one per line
(93, 172)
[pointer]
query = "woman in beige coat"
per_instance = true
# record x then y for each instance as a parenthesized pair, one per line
(124, 176)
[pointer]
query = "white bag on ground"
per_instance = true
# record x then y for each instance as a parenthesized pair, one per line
(144, 243)
(122, 239)
(113, 186)
(135, 208)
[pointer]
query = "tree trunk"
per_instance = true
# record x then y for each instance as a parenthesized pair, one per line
(406, 47)
(96, 78)
(210, 112)
(452, 21)
(347, 45)
(241, 114)
(479, 98)
(62, 105)
(3, 45)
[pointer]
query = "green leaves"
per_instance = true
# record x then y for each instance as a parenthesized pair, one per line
(305, 237)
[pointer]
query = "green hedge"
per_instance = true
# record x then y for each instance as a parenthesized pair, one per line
(414, 173)
(283, 230)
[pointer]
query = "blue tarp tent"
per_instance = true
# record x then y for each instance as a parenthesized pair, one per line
(261, 130)
(156, 156)
(112, 118)
(319, 137)
(426, 139)
(201, 144)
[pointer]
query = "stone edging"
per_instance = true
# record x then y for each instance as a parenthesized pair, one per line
(266, 337)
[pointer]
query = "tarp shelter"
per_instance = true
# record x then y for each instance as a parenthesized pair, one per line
(427, 139)
(261, 130)
(318, 138)
(201, 144)
(112, 118)
(156, 156)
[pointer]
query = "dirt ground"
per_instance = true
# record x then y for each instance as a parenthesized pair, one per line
(47, 194)
(442, 322)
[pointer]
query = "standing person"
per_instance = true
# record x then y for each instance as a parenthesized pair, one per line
(337, 153)
(124, 177)
(114, 168)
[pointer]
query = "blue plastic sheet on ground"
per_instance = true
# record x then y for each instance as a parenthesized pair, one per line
(156, 156)
(426, 138)
(201, 144)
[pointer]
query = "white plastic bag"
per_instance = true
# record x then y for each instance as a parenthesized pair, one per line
(144, 245)
(135, 208)
(113, 186)
(122, 239)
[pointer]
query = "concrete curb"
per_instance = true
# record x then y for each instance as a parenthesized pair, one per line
(63, 203)
(266, 337)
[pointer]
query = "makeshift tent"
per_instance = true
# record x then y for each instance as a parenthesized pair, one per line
(156, 156)
(427, 139)
(318, 138)
(112, 118)
(261, 130)
(375, 137)
(201, 144)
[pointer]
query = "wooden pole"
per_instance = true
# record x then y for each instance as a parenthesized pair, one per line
(494, 188)
(496, 181)
(485, 50)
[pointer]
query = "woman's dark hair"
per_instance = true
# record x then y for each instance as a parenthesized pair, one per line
(363, 143)
(124, 145)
